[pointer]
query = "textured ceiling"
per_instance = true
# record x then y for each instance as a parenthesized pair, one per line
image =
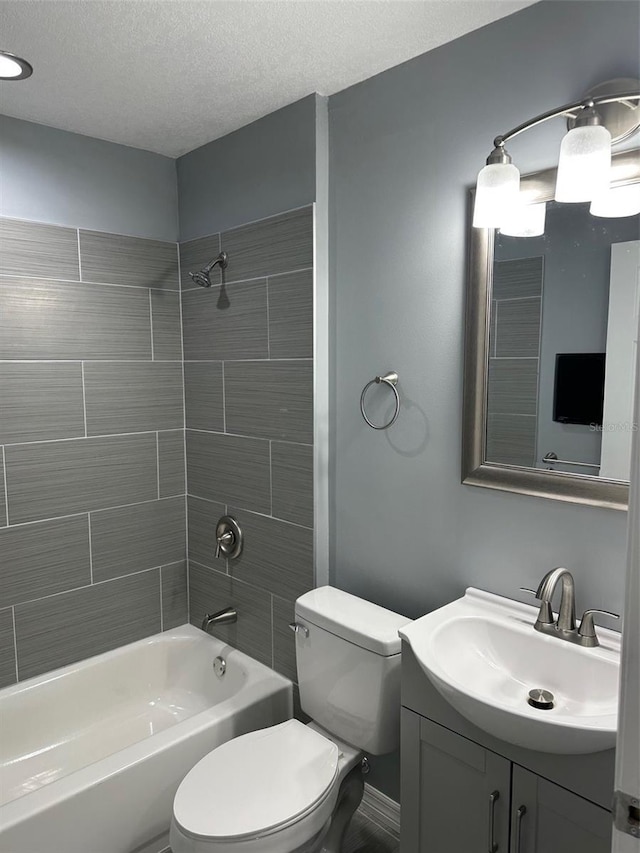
(169, 76)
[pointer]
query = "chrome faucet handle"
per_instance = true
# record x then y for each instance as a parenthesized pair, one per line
(545, 614)
(587, 629)
(229, 538)
(226, 539)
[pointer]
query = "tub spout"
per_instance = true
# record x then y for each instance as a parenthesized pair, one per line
(222, 617)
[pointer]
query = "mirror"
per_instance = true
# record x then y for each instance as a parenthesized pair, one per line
(550, 351)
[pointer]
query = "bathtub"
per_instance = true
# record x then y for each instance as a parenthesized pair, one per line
(91, 755)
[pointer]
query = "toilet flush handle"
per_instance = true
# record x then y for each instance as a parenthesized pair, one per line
(299, 628)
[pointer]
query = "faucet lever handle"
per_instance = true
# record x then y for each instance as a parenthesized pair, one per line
(587, 627)
(545, 614)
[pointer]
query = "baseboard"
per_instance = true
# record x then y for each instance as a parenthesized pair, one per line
(381, 810)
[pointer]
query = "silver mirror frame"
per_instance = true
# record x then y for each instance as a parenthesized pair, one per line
(575, 488)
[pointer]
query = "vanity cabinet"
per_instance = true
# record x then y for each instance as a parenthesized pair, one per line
(546, 818)
(451, 771)
(459, 797)
(462, 791)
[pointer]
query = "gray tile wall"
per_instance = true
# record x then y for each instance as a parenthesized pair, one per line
(93, 471)
(92, 459)
(514, 361)
(249, 407)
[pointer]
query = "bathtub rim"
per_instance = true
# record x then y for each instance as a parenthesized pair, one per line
(262, 683)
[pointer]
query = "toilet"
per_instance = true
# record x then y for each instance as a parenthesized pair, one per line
(293, 788)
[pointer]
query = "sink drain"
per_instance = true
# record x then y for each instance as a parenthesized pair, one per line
(541, 699)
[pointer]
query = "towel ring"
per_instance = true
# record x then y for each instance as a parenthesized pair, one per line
(390, 379)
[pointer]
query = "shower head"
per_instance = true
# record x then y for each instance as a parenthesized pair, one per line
(202, 277)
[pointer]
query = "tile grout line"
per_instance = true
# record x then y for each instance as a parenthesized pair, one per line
(184, 434)
(226, 434)
(75, 360)
(161, 603)
(151, 324)
(15, 640)
(4, 482)
(91, 437)
(158, 462)
(224, 404)
(90, 548)
(79, 256)
(142, 287)
(270, 479)
(252, 512)
(89, 585)
(268, 322)
(273, 651)
(84, 400)
(94, 511)
(43, 278)
(114, 435)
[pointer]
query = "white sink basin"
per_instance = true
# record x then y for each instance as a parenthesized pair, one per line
(483, 655)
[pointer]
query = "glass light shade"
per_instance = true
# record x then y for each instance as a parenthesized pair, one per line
(497, 191)
(525, 220)
(13, 67)
(617, 201)
(9, 67)
(585, 164)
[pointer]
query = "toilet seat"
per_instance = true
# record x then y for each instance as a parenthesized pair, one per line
(258, 784)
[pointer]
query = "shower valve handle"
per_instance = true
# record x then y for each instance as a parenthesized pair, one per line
(229, 538)
(226, 539)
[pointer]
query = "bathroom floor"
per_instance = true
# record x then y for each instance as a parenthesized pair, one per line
(365, 836)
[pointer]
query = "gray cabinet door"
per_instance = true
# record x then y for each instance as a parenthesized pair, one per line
(455, 794)
(549, 819)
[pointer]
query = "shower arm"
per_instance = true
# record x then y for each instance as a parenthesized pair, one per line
(222, 260)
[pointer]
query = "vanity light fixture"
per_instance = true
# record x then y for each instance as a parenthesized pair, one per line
(525, 220)
(14, 67)
(617, 201)
(608, 114)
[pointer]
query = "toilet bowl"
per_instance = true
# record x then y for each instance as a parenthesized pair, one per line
(292, 788)
(274, 791)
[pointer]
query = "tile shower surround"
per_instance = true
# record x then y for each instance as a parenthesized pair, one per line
(92, 472)
(92, 460)
(248, 348)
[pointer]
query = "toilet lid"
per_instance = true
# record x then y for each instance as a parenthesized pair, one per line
(256, 782)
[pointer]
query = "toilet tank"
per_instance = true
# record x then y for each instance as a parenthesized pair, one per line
(349, 667)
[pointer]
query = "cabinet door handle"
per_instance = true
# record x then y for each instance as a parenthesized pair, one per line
(520, 813)
(493, 796)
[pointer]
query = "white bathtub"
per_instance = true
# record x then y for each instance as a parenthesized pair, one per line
(91, 755)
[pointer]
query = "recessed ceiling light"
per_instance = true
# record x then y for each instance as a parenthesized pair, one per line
(13, 67)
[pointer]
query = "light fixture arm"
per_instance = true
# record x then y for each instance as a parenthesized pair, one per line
(566, 110)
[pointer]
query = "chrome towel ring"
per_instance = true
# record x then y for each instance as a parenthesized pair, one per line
(390, 379)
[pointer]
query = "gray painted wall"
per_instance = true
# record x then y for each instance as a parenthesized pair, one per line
(49, 175)
(405, 147)
(260, 170)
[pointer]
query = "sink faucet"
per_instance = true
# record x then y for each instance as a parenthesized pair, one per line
(222, 617)
(544, 593)
(565, 626)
